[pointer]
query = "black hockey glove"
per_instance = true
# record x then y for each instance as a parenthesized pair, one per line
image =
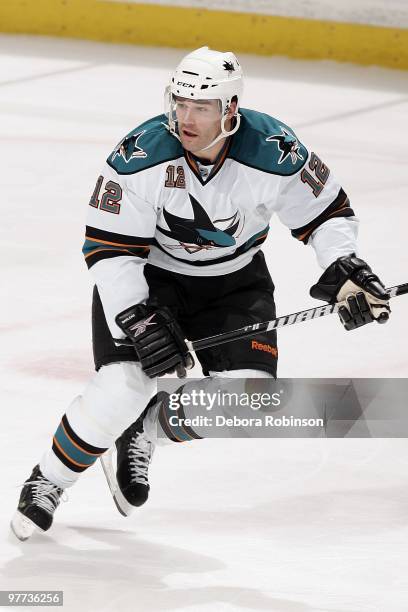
(351, 280)
(157, 339)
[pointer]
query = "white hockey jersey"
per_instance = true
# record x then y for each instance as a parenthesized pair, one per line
(156, 202)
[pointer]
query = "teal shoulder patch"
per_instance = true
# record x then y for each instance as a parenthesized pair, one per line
(146, 146)
(265, 143)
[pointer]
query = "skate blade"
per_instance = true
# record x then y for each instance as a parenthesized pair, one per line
(121, 503)
(22, 527)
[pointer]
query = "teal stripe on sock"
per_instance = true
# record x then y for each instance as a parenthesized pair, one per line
(175, 426)
(73, 451)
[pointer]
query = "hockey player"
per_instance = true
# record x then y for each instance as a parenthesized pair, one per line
(173, 243)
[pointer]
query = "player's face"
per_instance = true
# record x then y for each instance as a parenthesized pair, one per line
(199, 122)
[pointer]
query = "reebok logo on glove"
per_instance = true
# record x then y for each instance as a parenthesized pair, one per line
(140, 326)
(162, 350)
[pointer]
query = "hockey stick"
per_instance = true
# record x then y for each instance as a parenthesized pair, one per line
(290, 319)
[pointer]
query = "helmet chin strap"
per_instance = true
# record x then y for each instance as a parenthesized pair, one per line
(224, 134)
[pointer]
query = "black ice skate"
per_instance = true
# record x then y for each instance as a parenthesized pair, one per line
(38, 502)
(128, 480)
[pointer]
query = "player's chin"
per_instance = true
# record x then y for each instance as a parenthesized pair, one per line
(190, 145)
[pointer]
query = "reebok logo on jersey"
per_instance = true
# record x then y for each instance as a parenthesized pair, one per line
(288, 144)
(128, 148)
(140, 326)
(267, 348)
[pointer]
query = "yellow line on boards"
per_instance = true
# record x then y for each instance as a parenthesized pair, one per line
(147, 24)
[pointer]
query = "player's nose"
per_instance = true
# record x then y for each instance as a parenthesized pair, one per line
(189, 116)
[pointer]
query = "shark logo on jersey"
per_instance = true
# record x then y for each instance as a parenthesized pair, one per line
(288, 145)
(128, 148)
(200, 233)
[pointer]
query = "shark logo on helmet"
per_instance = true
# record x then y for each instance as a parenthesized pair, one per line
(229, 66)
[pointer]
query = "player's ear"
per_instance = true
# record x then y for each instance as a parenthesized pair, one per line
(232, 109)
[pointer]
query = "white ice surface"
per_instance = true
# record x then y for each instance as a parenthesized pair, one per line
(277, 525)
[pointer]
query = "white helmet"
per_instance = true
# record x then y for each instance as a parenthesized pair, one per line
(205, 74)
